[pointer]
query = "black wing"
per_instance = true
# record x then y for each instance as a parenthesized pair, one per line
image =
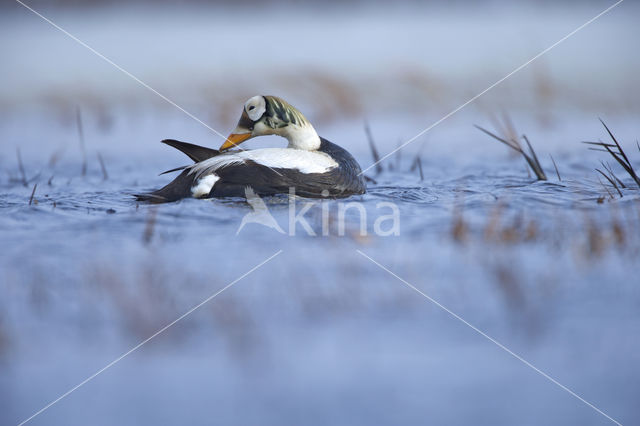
(196, 152)
(270, 181)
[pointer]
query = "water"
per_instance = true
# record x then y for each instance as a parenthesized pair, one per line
(320, 333)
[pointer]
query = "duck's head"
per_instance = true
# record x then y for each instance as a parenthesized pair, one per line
(269, 115)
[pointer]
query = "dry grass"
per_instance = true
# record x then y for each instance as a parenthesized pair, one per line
(23, 174)
(417, 164)
(555, 166)
(509, 138)
(593, 237)
(150, 226)
(32, 194)
(143, 302)
(105, 175)
(83, 148)
(459, 228)
(374, 150)
(614, 150)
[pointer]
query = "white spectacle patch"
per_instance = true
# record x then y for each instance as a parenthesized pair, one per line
(204, 186)
(255, 107)
(285, 158)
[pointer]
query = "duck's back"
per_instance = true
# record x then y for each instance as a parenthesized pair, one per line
(217, 177)
(348, 174)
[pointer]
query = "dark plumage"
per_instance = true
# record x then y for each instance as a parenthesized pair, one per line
(342, 181)
(196, 152)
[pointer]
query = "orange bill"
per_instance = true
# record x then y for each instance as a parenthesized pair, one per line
(234, 139)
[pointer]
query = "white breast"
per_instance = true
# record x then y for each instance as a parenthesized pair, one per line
(287, 158)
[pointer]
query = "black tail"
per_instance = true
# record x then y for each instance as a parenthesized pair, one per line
(179, 188)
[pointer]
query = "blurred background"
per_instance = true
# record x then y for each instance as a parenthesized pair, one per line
(319, 334)
(408, 63)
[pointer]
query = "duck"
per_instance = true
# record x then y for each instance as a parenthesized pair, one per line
(310, 166)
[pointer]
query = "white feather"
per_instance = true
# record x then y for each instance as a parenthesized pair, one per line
(204, 185)
(286, 158)
(255, 107)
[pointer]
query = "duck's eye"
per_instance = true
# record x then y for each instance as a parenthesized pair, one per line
(254, 109)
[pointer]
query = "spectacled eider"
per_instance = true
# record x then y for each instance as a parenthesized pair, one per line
(311, 165)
